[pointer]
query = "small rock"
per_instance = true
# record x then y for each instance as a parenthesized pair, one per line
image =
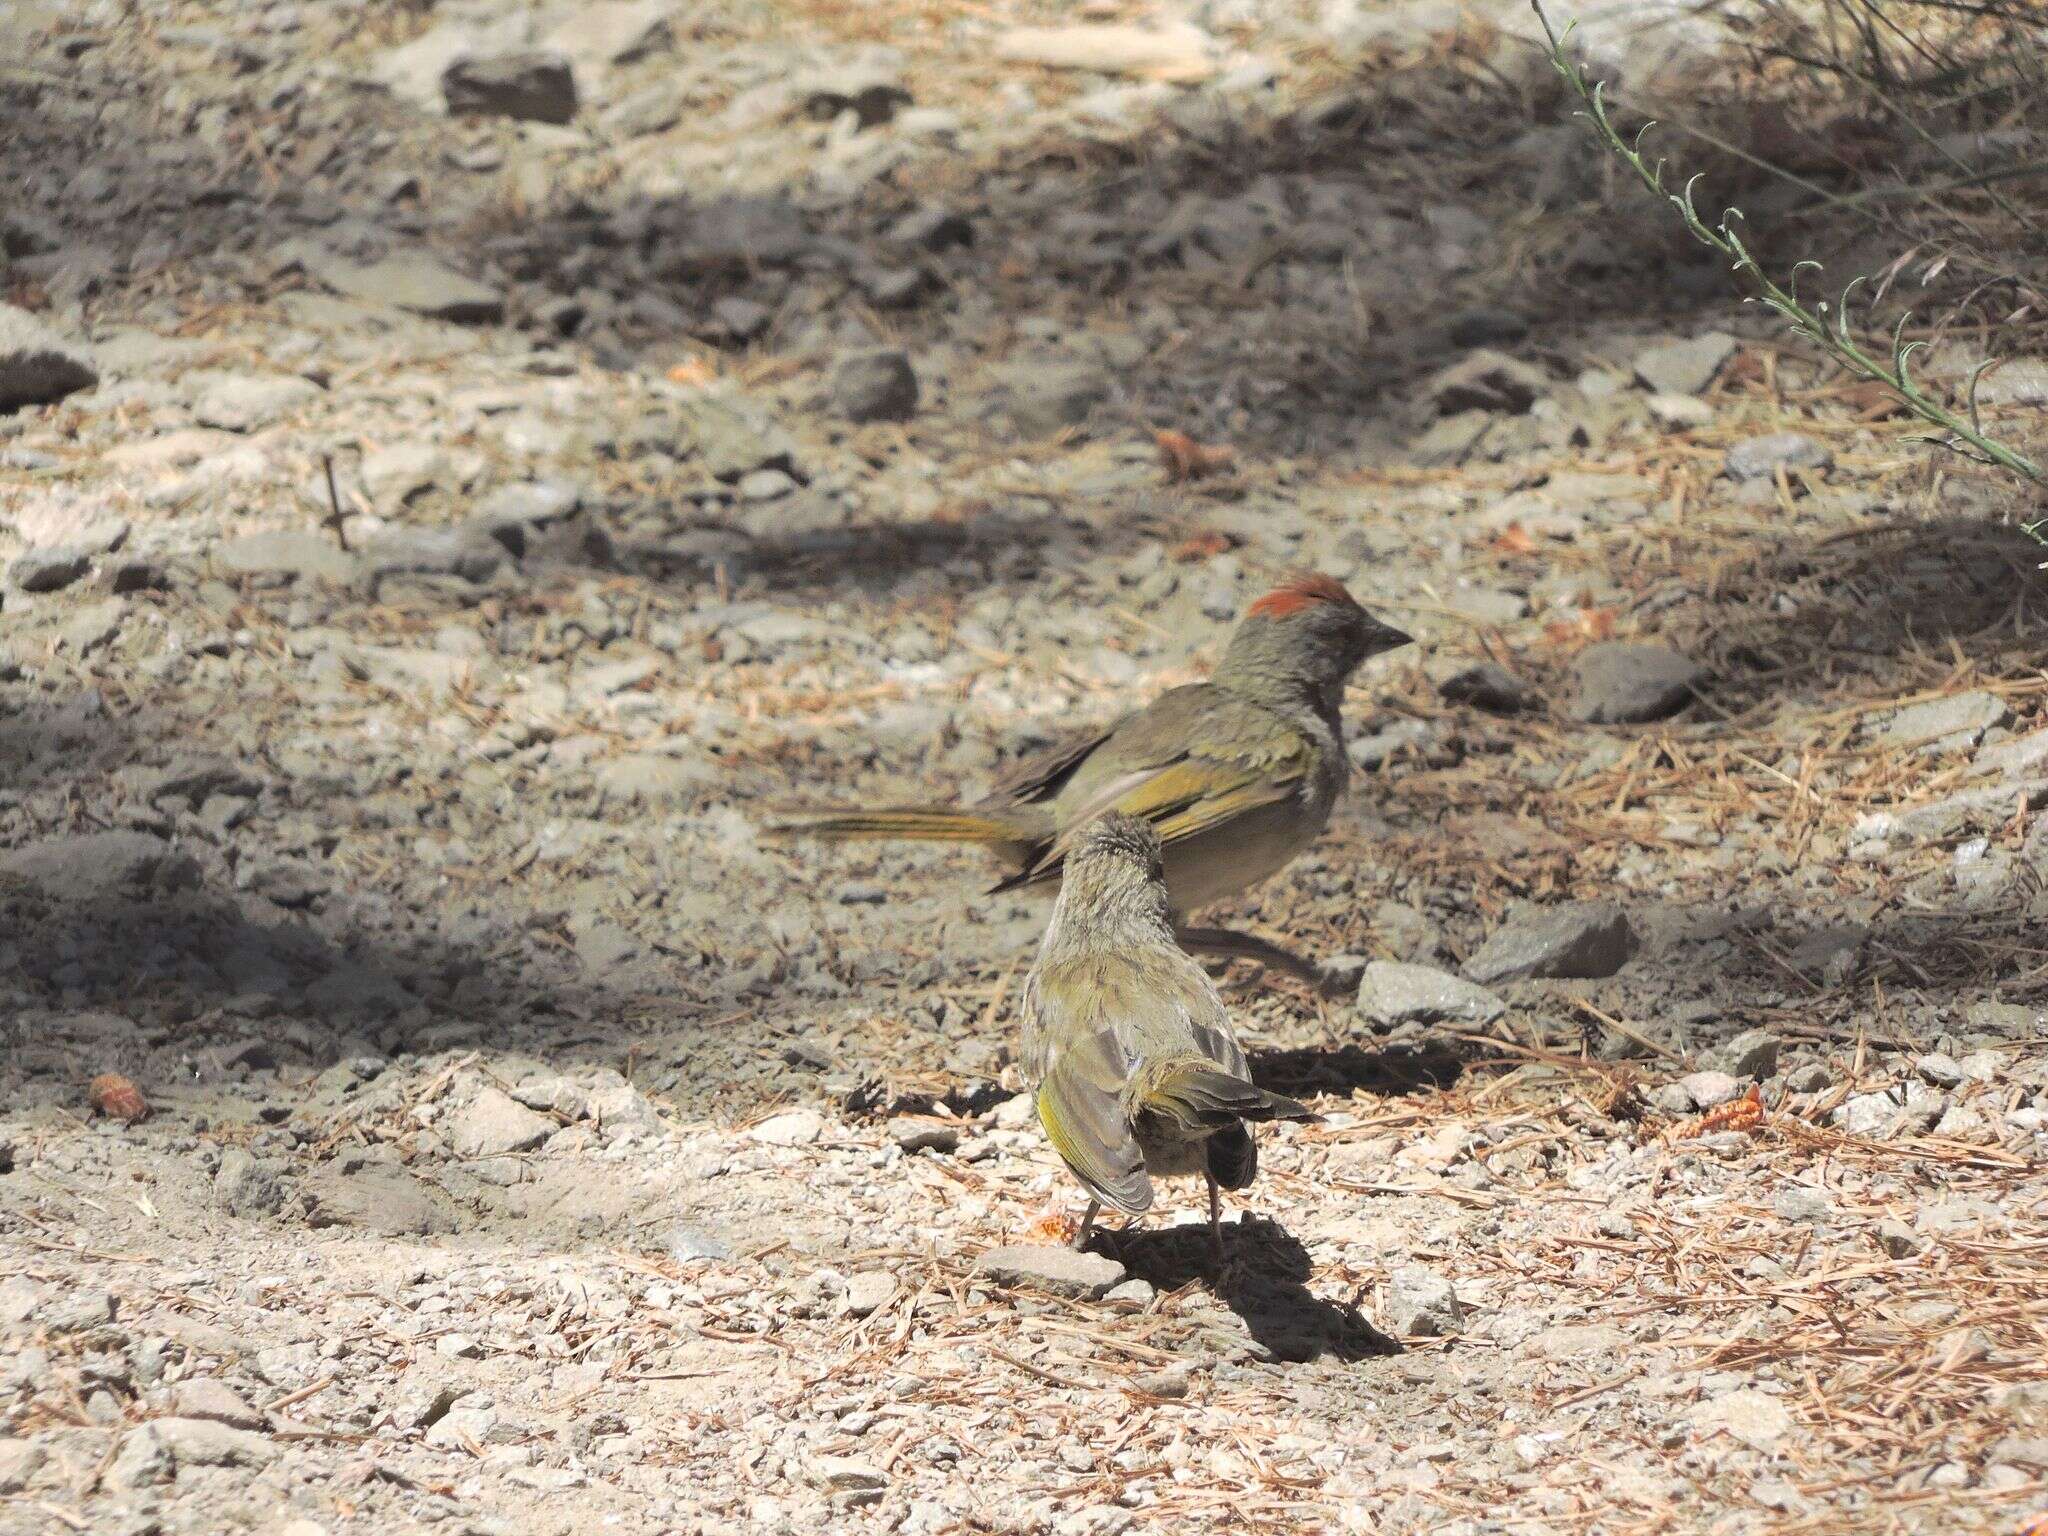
(652, 778)
(37, 366)
(1045, 398)
(791, 1128)
(734, 440)
(1395, 993)
(1622, 682)
(248, 1186)
(764, 485)
(208, 1443)
(872, 97)
(242, 404)
(1939, 1070)
(1751, 1054)
(931, 228)
(1486, 380)
(458, 1346)
(207, 1397)
(869, 1291)
(1062, 1271)
(1866, 1114)
(742, 318)
(49, 569)
(532, 86)
(494, 1124)
(1680, 412)
(414, 281)
(1760, 458)
(1140, 1293)
(102, 866)
(925, 1135)
(1897, 1239)
(287, 553)
(842, 1474)
(875, 385)
(20, 1460)
(386, 1200)
(1803, 1204)
(1707, 1090)
(1421, 1303)
(1170, 1382)
(1954, 724)
(1755, 1418)
(1177, 51)
(1683, 367)
(686, 1244)
(1584, 939)
(1485, 685)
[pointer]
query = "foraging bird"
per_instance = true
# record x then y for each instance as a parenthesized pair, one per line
(1138, 1071)
(1238, 774)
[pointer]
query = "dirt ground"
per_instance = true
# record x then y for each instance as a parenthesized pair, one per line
(532, 1148)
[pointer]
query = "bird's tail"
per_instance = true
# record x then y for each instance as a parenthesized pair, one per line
(1002, 830)
(1200, 1097)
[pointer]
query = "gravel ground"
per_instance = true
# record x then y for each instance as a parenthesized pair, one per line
(739, 404)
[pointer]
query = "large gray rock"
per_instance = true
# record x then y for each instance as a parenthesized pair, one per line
(1683, 367)
(1622, 682)
(531, 85)
(37, 366)
(735, 439)
(1394, 993)
(208, 1397)
(1061, 1271)
(1576, 939)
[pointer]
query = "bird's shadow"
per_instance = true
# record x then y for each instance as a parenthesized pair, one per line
(1263, 1279)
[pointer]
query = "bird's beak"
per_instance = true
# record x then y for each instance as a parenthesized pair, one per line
(1387, 638)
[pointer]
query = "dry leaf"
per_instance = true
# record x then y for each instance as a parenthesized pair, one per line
(116, 1097)
(1203, 546)
(1513, 540)
(1053, 1226)
(1588, 624)
(1743, 1114)
(1186, 459)
(695, 371)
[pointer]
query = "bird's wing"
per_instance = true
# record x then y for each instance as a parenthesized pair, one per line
(1074, 1050)
(1038, 776)
(1195, 759)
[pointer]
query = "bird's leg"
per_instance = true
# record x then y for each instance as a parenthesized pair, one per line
(1231, 944)
(1087, 1226)
(1215, 1217)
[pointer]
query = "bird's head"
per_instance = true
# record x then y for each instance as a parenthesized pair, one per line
(1307, 631)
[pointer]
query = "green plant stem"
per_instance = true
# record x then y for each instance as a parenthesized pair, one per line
(1829, 332)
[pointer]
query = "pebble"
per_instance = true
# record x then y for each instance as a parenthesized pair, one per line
(1954, 724)
(1803, 1204)
(20, 1461)
(1421, 1303)
(1393, 992)
(37, 366)
(1898, 1240)
(1623, 682)
(207, 1397)
(1060, 1271)
(530, 85)
(1760, 458)
(1583, 939)
(1043, 399)
(875, 385)
(248, 1186)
